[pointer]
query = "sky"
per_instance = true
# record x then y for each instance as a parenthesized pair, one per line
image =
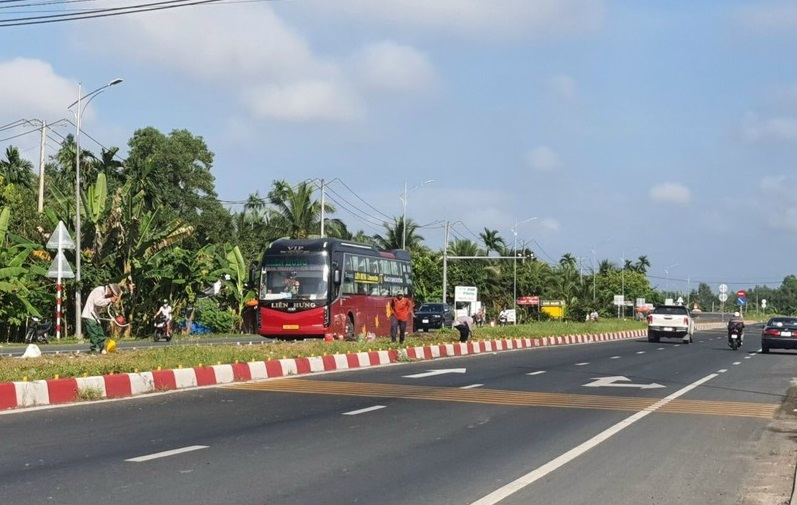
(626, 128)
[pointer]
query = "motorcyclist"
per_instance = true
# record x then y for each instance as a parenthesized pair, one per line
(165, 310)
(737, 321)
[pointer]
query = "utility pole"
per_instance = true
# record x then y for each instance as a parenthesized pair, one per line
(323, 203)
(41, 167)
(445, 262)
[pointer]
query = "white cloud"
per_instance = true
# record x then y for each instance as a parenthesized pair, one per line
(782, 129)
(32, 90)
(670, 192)
(563, 87)
(394, 67)
(248, 49)
(542, 159)
(496, 18)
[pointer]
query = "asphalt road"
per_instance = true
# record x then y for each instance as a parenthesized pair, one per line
(626, 422)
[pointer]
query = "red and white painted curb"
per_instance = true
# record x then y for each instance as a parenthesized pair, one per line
(59, 391)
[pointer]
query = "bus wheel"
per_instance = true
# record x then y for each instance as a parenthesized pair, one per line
(350, 328)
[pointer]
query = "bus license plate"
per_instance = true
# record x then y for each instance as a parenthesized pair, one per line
(290, 326)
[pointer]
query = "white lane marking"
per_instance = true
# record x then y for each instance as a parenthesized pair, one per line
(363, 411)
(432, 373)
(747, 357)
(556, 463)
(640, 352)
(615, 357)
(582, 364)
(660, 349)
(536, 373)
(166, 454)
(737, 363)
(677, 345)
(722, 370)
(472, 386)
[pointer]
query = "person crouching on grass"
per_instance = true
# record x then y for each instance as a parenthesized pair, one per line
(465, 326)
(99, 298)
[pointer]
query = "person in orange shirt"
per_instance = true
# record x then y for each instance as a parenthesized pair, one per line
(401, 311)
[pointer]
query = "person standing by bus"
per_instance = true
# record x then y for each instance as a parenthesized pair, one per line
(401, 310)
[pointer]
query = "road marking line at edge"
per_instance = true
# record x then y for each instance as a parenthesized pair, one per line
(531, 477)
(363, 411)
(165, 454)
(472, 386)
(536, 373)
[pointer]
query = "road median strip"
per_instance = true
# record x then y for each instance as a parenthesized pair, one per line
(16, 395)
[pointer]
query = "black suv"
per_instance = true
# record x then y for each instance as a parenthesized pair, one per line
(433, 316)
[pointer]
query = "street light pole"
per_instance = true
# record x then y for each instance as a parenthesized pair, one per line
(514, 260)
(78, 112)
(404, 214)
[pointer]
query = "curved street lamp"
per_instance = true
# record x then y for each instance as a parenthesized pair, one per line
(404, 205)
(78, 112)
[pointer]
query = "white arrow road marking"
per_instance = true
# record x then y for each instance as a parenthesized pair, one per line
(431, 373)
(611, 382)
(363, 411)
(165, 454)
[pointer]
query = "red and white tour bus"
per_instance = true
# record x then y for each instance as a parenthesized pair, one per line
(326, 287)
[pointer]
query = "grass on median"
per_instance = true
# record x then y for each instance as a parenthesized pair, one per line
(188, 352)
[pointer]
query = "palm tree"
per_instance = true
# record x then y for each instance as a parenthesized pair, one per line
(568, 261)
(16, 170)
(606, 266)
(492, 241)
(642, 264)
(464, 247)
(298, 215)
(394, 235)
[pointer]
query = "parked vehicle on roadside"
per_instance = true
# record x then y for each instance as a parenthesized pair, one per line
(38, 330)
(670, 321)
(433, 316)
(779, 333)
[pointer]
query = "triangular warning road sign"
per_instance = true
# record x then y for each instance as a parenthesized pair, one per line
(60, 263)
(60, 238)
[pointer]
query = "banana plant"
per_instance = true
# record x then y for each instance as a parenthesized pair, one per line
(237, 271)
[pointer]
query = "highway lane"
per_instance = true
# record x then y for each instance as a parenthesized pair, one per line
(401, 434)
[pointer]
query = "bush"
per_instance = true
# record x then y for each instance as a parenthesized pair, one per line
(210, 315)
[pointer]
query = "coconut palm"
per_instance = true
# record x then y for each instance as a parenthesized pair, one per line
(297, 214)
(15, 170)
(642, 264)
(394, 235)
(492, 241)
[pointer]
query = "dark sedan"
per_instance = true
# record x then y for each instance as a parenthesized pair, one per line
(433, 316)
(779, 333)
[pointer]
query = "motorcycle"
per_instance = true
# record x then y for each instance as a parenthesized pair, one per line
(160, 329)
(736, 338)
(37, 331)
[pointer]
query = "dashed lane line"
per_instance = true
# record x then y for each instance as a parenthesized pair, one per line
(511, 398)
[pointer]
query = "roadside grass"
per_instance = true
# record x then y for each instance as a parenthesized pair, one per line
(188, 352)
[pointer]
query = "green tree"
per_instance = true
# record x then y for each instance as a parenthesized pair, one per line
(394, 235)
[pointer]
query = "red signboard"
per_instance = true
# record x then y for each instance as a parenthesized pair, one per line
(741, 294)
(528, 300)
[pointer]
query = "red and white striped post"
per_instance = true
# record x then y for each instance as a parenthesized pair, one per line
(60, 269)
(58, 310)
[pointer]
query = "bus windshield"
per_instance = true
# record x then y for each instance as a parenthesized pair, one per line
(302, 276)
